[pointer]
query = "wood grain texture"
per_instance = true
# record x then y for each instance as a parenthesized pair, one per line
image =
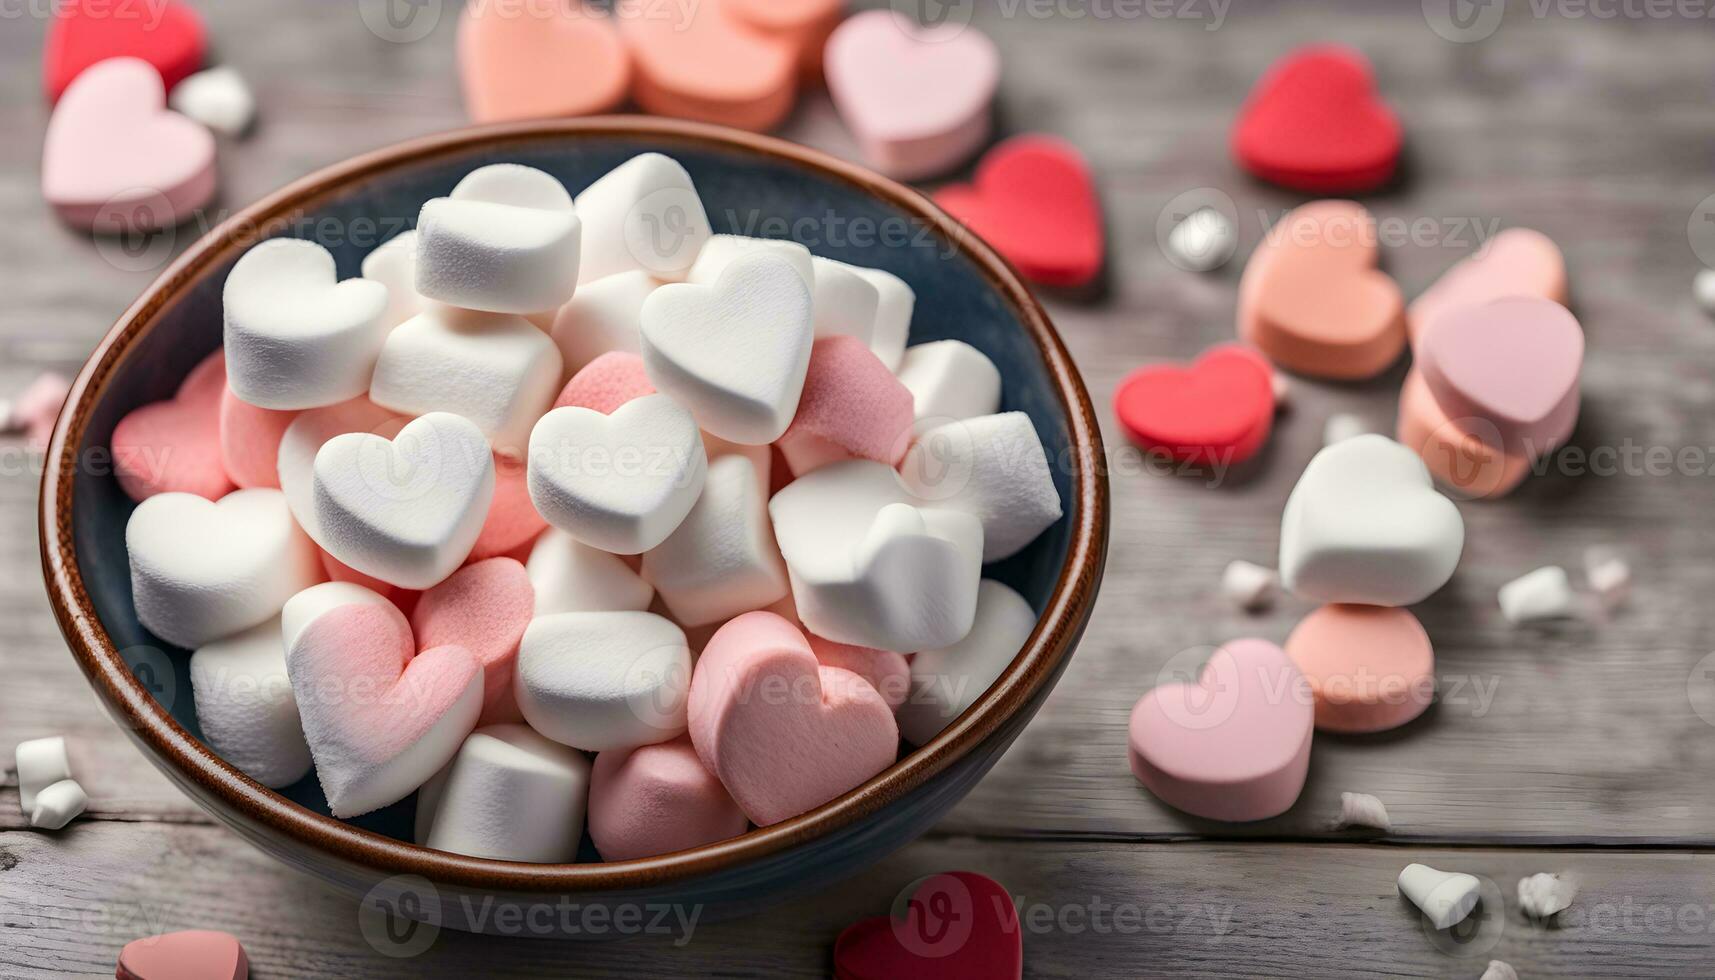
(1599, 133)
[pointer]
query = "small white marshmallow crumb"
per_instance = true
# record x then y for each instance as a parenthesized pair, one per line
(1500, 970)
(1703, 287)
(1542, 895)
(1203, 241)
(7, 422)
(1249, 587)
(1342, 426)
(58, 805)
(1282, 391)
(1362, 810)
(219, 98)
(1609, 576)
(1543, 594)
(1445, 897)
(41, 763)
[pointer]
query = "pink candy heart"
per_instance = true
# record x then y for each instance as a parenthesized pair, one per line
(174, 445)
(1235, 745)
(1506, 371)
(484, 608)
(116, 159)
(1516, 262)
(783, 734)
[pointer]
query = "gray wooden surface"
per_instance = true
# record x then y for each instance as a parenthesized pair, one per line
(1578, 748)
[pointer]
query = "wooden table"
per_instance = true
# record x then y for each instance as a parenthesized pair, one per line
(1586, 747)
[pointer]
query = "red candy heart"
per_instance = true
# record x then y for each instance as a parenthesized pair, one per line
(1035, 202)
(168, 35)
(1219, 410)
(195, 954)
(1314, 123)
(957, 926)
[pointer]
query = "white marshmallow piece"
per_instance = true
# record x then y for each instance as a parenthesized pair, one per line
(393, 264)
(949, 381)
(1499, 970)
(305, 437)
(870, 567)
(509, 795)
(1537, 596)
(1366, 525)
(895, 302)
(604, 680)
(1249, 587)
(58, 804)
(1342, 426)
(1703, 289)
(1204, 241)
(1445, 897)
(201, 569)
(570, 576)
(1542, 895)
(722, 560)
(945, 682)
(734, 352)
(307, 606)
(407, 510)
(1609, 576)
(1362, 810)
(621, 482)
(41, 762)
(992, 467)
(296, 336)
(218, 98)
(246, 708)
(1282, 386)
(844, 302)
(606, 315)
(721, 251)
(643, 215)
(505, 241)
(495, 369)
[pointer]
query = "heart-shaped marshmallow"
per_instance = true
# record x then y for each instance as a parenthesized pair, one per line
(642, 216)
(895, 303)
(656, 799)
(1315, 123)
(821, 733)
(297, 337)
(393, 264)
(115, 159)
(604, 317)
(1370, 668)
(381, 719)
(871, 568)
(540, 61)
(303, 609)
(1506, 371)
(606, 383)
(720, 251)
(1516, 262)
(174, 445)
(917, 98)
(245, 705)
(1458, 460)
(957, 925)
(600, 681)
(1364, 524)
(852, 407)
(484, 608)
(512, 524)
(495, 369)
(946, 681)
(509, 795)
(250, 441)
(949, 380)
(734, 352)
(406, 510)
(295, 465)
(722, 560)
(1218, 411)
(1232, 745)
(1312, 300)
(570, 576)
(620, 482)
(992, 467)
(696, 61)
(194, 954)
(1035, 201)
(505, 241)
(167, 35)
(885, 670)
(202, 569)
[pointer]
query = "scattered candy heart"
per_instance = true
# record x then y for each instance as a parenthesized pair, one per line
(195, 954)
(1506, 372)
(699, 62)
(1034, 201)
(1219, 411)
(84, 33)
(1371, 668)
(1458, 460)
(1516, 262)
(1315, 123)
(957, 925)
(540, 61)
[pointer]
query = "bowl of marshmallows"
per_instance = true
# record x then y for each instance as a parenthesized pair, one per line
(623, 512)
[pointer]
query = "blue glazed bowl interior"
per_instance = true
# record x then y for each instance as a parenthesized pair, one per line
(744, 192)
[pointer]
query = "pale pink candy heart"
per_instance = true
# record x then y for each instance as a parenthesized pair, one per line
(917, 98)
(1506, 371)
(380, 719)
(1233, 746)
(116, 159)
(1516, 262)
(174, 445)
(195, 954)
(782, 733)
(484, 608)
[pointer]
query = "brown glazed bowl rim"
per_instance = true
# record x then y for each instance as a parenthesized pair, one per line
(1062, 620)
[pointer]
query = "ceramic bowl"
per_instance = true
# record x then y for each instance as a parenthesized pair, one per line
(751, 185)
